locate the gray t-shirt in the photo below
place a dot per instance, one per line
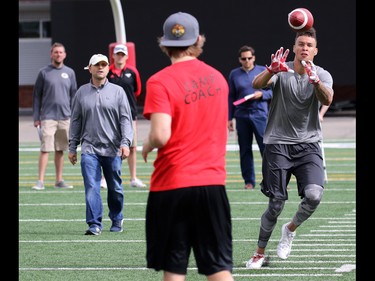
(54, 90)
(294, 109)
(101, 120)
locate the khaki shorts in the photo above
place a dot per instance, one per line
(135, 139)
(55, 135)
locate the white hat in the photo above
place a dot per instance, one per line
(120, 48)
(97, 58)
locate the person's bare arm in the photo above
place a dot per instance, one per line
(322, 112)
(324, 94)
(159, 135)
(262, 80)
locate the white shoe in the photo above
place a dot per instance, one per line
(137, 183)
(256, 261)
(38, 186)
(285, 244)
(103, 183)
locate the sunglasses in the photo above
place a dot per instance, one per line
(249, 58)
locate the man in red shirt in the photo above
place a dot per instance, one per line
(187, 208)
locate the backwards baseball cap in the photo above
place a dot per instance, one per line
(180, 30)
(120, 48)
(97, 58)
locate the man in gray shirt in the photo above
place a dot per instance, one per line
(102, 123)
(292, 139)
(54, 89)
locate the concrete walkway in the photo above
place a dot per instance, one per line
(335, 127)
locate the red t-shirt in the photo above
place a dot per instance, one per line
(196, 96)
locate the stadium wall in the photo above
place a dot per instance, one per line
(86, 27)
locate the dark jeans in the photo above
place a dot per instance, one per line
(253, 125)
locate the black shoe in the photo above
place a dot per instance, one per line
(93, 230)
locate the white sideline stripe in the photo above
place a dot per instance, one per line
(140, 219)
(347, 220)
(286, 275)
(338, 226)
(332, 230)
(75, 220)
(230, 147)
(190, 268)
(329, 235)
(235, 241)
(346, 268)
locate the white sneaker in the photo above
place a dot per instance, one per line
(137, 183)
(39, 185)
(285, 244)
(103, 183)
(256, 261)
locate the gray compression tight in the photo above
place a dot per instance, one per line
(308, 205)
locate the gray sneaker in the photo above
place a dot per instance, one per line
(63, 184)
(39, 185)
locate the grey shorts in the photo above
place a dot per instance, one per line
(281, 161)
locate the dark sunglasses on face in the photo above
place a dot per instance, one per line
(249, 58)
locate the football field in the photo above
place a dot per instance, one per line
(52, 244)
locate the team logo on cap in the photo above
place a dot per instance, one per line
(178, 30)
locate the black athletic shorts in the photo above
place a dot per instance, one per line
(281, 161)
(188, 218)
